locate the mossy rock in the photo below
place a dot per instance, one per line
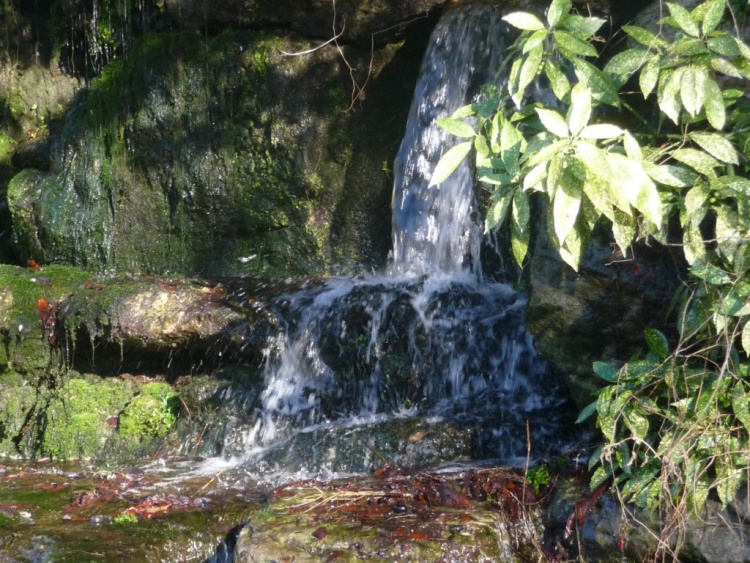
(151, 414)
(79, 417)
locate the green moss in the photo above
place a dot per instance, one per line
(17, 402)
(76, 417)
(151, 414)
(6, 148)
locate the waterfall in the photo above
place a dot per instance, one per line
(439, 228)
(359, 361)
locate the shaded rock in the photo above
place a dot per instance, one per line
(356, 20)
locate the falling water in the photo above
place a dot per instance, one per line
(438, 229)
(358, 359)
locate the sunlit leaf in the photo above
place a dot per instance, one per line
(582, 27)
(498, 211)
(657, 343)
(692, 244)
(716, 145)
(644, 37)
(632, 148)
(602, 89)
(741, 398)
(529, 70)
(714, 104)
(710, 273)
(536, 39)
(569, 44)
(636, 423)
(580, 108)
(601, 131)
(682, 18)
(557, 10)
(713, 13)
(623, 229)
(558, 80)
(649, 76)
(627, 62)
(463, 111)
(519, 243)
(669, 93)
(698, 160)
(553, 122)
(640, 191)
(724, 45)
(524, 20)
(456, 127)
(449, 162)
(669, 175)
(693, 88)
(535, 176)
(567, 202)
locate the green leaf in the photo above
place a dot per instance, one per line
(529, 70)
(668, 175)
(692, 244)
(582, 27)
(724, 45)
(632, 148)
(729, 480)
(712, 16)
(586, 412)
(558, 80)
(637, 423)
(693, 88)
(640, 191)
(669, 93)
(463, 111)
(449, 162)
(710, 273)
(558, 9)
(535, 176)
(682, 18)
(714, 103)
(498, 211)
(725, 67)
(456, 127)
(698, 160)
(601, 131)
(627, 62)
(521, 210)
(601, 474)
(657, 343)
(649, 76)
(546, 153)
(536, 39)
(602, 89)
(570, 45)
(524, 20)
(741, 402)
(553, 122)
(624, 229)
(519, 243)
(695, 203)
(567, 202)
(580, 108)
(644, 37)
(716, 145)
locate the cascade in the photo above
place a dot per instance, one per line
(428, 341)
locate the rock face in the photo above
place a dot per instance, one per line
(257, 152)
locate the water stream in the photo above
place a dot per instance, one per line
(364, 365)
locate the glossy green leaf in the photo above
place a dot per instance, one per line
(524, 20)
(632, 148)
(602, 89)
(521, 210)
(529, 70)
(623, 228)
(657, 343)
(557, 10)
(682, 18)
(582, 27)
(627, 62)
(580, 108)
(586, 412)
(712, 15)
(649, 76)
(724, 45)
(535, 176)
(741, 402)
(536, 39)
(456, 127)
(692, 244)
(669, 93)
(640, 191)
(498, 210)
(716, 145)
(601, 131)
(669, 175)
(569, 45)
(553, 122)
(566, 204)
(449, 162)
(710, 273)
(558, 80)
(714, 103)
(644, 37)
(729, 480)
(695, 204)
(725, 67)
(636, 423)
(463, 111)
(519, 243)
(693, 88)
(698, 160)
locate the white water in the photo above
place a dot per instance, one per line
(428, 343)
